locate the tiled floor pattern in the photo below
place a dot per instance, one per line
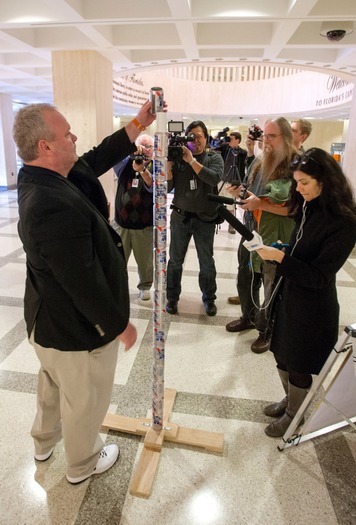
(221, 386)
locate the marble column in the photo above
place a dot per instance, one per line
(8, 168)
(83, 92)
(349, 164)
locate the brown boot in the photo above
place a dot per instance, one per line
(239, 325)
(261, 344)
(279, 426)
(278, 409)
(234, 300)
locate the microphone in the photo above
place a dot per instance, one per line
(219, 199)
(253, 239)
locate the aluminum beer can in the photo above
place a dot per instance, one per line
(157, 99)
(160, 215)
(160, 145)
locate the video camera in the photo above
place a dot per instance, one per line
(176, 141)
(220, 139)
(255, 132)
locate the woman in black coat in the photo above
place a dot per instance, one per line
(306, 311)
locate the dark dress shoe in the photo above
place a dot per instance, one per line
(239, 325)
(234, 300)
(261, 344)
(172, 307)
(210, 309)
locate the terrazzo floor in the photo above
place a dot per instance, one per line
(221, 387)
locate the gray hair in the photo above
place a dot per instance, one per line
(29, 128)
(287, 136)
(144, 138)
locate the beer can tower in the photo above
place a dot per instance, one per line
(160, 256)
(157, 430)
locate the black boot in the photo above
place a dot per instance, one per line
(296, 396)
(278, 409)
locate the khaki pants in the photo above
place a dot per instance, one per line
(73, 395)
(140, 242)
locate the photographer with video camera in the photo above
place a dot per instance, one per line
(265, 211)
(192, 177)
(234, 163)
(134, 210)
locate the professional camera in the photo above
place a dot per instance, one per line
(176, 141)
(220, 139)
(255, 132)
(243, 190)
(139, 159)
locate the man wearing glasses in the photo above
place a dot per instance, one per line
(134, 210)
(266, 211)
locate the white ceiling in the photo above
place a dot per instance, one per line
(140, 34)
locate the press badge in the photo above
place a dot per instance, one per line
(193, 184)
(135, 183)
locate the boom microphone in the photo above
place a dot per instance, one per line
(253, 239)
(219, 199)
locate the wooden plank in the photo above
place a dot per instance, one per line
(145, 472)
(154, 439)
(212, 441)
(126, 424)
(169, 398)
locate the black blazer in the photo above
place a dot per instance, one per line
(307, 321)
(77, 287)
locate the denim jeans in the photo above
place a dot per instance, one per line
(248, 287)
(203, 234)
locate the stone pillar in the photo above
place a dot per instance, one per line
(349, 165)
(83, 92)
(8, 168)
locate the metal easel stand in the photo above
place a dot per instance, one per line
(344, 350)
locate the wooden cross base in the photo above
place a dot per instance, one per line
(144, 474)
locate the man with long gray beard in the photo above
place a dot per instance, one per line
(266, 211)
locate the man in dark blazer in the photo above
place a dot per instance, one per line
(76, 297)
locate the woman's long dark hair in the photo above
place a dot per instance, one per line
(336, 192)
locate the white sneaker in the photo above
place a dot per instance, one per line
(107, 458)
(44, 457)
(145, 295)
